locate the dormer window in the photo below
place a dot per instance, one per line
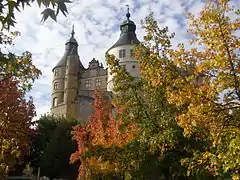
(56, 72)
(122, 53)
(56, 85)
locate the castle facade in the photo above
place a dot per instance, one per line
(73, 84)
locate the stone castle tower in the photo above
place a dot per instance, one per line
(123, 49)
(73, 84)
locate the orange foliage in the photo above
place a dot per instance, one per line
(101, 129)
(15, 120)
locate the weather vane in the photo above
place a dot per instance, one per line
(128, 14)
(127, 8)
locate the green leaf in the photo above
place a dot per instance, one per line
(48, 12)
(39, 2)
(62, 6)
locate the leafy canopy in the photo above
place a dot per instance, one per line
(204, 84)
(100, 141)
(15, 125)
(52, 146)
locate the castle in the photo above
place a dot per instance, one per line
(73, 84)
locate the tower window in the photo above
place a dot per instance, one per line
(88, 83)
(123, 66)
(98, 82)
(55, 101)
(122, 53)
(56, 72)
(131, 53)
(133, 66)
(56, 85)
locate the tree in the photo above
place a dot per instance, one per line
(101, 141)
(203, 83)
(15, 125)
(159, 142)
(19, 68)
(17, 73)
(52, 146)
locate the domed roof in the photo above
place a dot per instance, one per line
(128, 21)
(128, 35)
(126, 38)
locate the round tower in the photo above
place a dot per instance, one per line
(65, 80)
(123, 50)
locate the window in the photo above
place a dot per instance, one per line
(122, 53)
(123, 66)
(56, 72)
(88, 83)
(133, 66)
(131, 53)
(56, 85)
(55, 102)
(98, 82)
(124, 29)
(97, 71)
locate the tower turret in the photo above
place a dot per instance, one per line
(65, 80)
(123, 49)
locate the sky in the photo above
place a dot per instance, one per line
(96, 25)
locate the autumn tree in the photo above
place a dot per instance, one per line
(16, 115)
(159, 141)
(101, 141)
(204, 84)
(17, 73)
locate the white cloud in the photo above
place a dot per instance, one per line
(96, 29)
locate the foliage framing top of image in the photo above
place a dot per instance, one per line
(51, 9)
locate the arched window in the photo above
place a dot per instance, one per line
(56, 85)
(55, 101)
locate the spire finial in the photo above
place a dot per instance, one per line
(128, 14)
(72, 31)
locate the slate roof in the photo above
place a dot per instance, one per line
(70, 49)
(128, 35)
